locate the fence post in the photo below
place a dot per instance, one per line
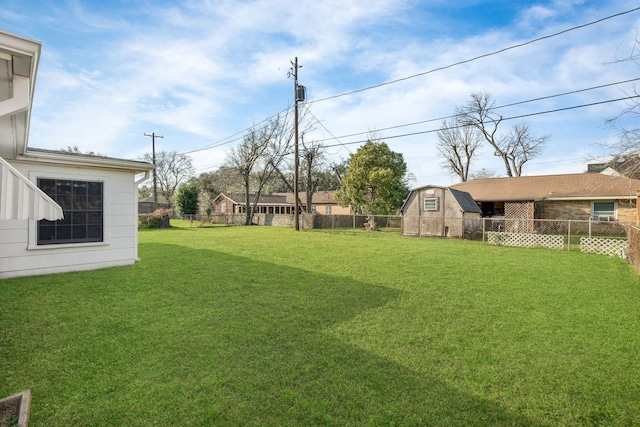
(483, 229)
(569, 236)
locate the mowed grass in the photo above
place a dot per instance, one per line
(265, 326)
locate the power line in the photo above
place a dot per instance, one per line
(227, 140)
(475, 58)
(504, 119)
(493, 108)
(325, 128)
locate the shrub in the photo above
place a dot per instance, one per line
(158, 219)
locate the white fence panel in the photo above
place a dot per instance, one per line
(604, 246)
(523, 240)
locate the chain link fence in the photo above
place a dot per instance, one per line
(557, 234)
(603, 237)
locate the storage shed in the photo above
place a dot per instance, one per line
(440, 212)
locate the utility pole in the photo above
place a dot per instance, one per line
(298, 95)
(155, 188)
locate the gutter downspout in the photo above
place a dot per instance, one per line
(137, 183)
(143, 179)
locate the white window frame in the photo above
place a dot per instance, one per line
(433, 204)
(601, 215)
(106, 210)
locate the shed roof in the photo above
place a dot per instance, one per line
(466, 202)
(567, 186)
(463, 198)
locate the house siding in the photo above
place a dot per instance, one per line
(20, 256)
(335, 209)
(581, 210)
(627, 213)
(223, 205)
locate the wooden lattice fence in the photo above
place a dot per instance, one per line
(602, 246)
(525, 240)
(520, 215)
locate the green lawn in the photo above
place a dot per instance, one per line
(268, 326)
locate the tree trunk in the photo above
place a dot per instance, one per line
(247, 203)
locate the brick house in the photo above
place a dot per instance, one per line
(279, 203)
(583, 196)
(235, 204)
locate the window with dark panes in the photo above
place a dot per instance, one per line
(82, 205)
(603, 211)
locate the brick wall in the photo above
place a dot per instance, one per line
(565, 209)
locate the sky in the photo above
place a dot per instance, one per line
(201, 72)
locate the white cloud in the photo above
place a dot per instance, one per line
(199, 71)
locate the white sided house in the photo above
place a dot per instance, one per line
(59, 211)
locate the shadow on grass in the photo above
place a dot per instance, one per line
(205, 338)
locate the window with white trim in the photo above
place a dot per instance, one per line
(82, 203)
(327, 209)
(603, 211)
(431, 204)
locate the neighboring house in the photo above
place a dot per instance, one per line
(583, 196)
(323, 202)
(439, 211)
(95, 195)
(235, 204)
(629, 167)
(279, 203)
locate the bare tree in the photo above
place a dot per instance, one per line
(478, 113)
(521, 145)
(255, 159)
(172, 170)
(211, 184)
(624, 154)
(457, 145)
(313, 155)
(340, 170)
(516, 148)
(483, 173)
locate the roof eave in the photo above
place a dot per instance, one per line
(634, 197)
(25, 57)
(65, 159)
